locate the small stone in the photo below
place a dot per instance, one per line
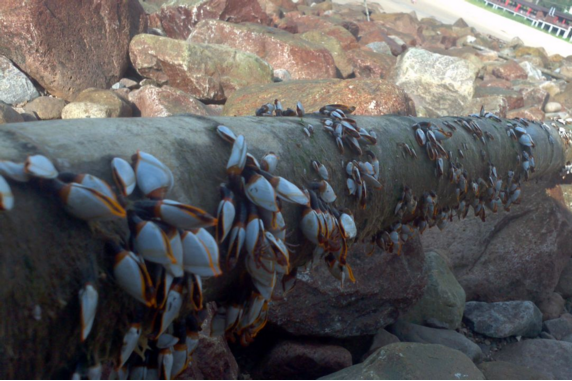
(558, 328)
(379, 47)
(77, 110)
(552, 107)
(129, 83)
(487, 342)
(381, 339)
(282, 75)
(117, 86)
(116, 107)
(552, 306)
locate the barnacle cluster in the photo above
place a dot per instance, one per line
(172, 247)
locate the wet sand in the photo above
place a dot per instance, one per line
(449, 11)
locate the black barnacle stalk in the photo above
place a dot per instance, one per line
(47, 254)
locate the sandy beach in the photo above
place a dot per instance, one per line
(448, 11)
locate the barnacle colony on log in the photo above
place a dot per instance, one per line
(172, 247)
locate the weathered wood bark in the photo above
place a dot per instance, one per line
(45, 254)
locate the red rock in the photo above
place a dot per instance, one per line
(302, 360)
(371, 32)
(402, 23)
(73, 46)
(207, 72)
(532, 113)
(305, 23)
(179, 18)
(282, 50)
(512, 256)
(370, 64)
(370, 96)
(151, 102)
(510, 70)
(385, 286)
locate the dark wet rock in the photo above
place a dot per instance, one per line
(504, 319)
(508, 257)
(70, 48)
(549, 357)
(213, 359)
(439, 83)
(46, 108)
(502, 370)
(302, 360)
(558, 328)
(385, 285)
(408, 332)
(370, 96)
(179, 17)
(151, 102)
(381, 339)
(207, 72)
(552, 306)
(443, 301)
(15, 87)
(411, 361)
(282, 50)
(564, 286)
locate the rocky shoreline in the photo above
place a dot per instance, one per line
(476, 301)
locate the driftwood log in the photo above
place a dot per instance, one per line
(46, 254)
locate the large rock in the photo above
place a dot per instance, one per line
(68, 47)
(371, 64)
(282, 50)
(443, 301)
(330, 43)
(564, 286)
(179, 17)
(151, 102)
(46, 108)
(381, 339)
(439, 83)
(412, 361)
(501, 370)
(370, 96)
(207, 72)
(15, 87)
(117, 107)
(425, 335)
(549, 357)
(302, 360)
(385, 285)
(9, 115)
(512, 256)
(504, 319)
(510, 70)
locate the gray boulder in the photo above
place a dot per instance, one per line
(381, 339)
(443, 302)
(418, 334)
(9, 115)
(558, 328)
(550, 357)
(504, 319)
(15, 87)
(441, 83)
(411, 361)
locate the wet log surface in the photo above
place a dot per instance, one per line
(47, 255)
